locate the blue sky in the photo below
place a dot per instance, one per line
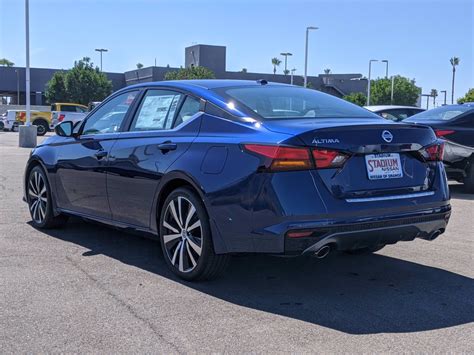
(417, 37)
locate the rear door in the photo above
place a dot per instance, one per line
(82, 160)
(162, 129)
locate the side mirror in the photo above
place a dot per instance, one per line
(64, 129)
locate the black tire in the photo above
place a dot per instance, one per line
(186, 238)
(41, 127)
(39, 201)
(469, 179)
(362, 251)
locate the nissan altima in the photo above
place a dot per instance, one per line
(213, 168)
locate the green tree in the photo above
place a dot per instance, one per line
(357, 98)
(434, 94)
(469, 97)
(454, 63)
(82, 84)
(405, 91)
(244, 70)
(4, 62)
(275, 62)
(139, 65)
(193, 72)
(56, 88)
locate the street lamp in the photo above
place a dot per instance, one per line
(286, 60)
(368, 84)
(292, 73)
(386, 67)
(101, 50)
(306, 54)
(444, 92)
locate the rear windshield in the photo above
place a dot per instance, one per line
(286, 102)
(443, 113)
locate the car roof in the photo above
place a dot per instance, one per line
(206, 83)
(375, 108)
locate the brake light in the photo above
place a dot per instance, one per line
(325, 158)
(61, 117)
(282, 158)
(433, 152)
(440, 133)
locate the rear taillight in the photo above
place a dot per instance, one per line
(281, 158)
(325, 158)
(441, 133)
(433, 152)
(61, 117)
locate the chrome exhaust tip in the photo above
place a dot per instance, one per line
(322, 252)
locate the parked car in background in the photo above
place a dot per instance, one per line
(61, 112)
(454, 124)
(217, 167)
(3, 121)
(394, 112)
(41, 119)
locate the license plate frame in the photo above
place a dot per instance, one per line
(383, 166)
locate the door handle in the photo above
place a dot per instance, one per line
(167, 146)
(100, 154)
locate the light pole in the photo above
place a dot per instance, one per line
(444, 92)
(368, 83)
(286, 54)
(391, 90)
(292, 73)
(27, 132)
(386, 67)
(306, 54)
(101, 50)
(17, 86)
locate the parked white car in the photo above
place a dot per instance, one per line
(394, 112)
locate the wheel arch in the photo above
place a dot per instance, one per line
(36, 161)
(169, 183)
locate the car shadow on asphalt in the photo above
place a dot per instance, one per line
(458, 191)
(352, 294)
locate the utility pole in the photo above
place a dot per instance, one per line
(386, 68)
(101, 50)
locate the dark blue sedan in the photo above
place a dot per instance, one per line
(217, 167)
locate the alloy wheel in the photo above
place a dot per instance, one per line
(183, 234)
(38, 197)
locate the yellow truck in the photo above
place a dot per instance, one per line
(46, 121)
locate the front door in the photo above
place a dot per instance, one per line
(82, 161)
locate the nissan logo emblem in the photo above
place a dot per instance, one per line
(387, 136)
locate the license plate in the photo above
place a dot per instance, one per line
(383, 166)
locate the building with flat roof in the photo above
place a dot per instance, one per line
(12, 79)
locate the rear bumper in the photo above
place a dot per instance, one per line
(367, 232)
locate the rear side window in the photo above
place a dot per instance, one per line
(288, 102)
(156, 111)
(189, 108)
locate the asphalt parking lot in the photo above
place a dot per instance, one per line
(86, 288)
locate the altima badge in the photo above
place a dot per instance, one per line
(387, 136)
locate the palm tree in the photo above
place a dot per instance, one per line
(454, 62)
(433, 94)
(139, 65)
(327, 71)
(4, 62)
(275, 62)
